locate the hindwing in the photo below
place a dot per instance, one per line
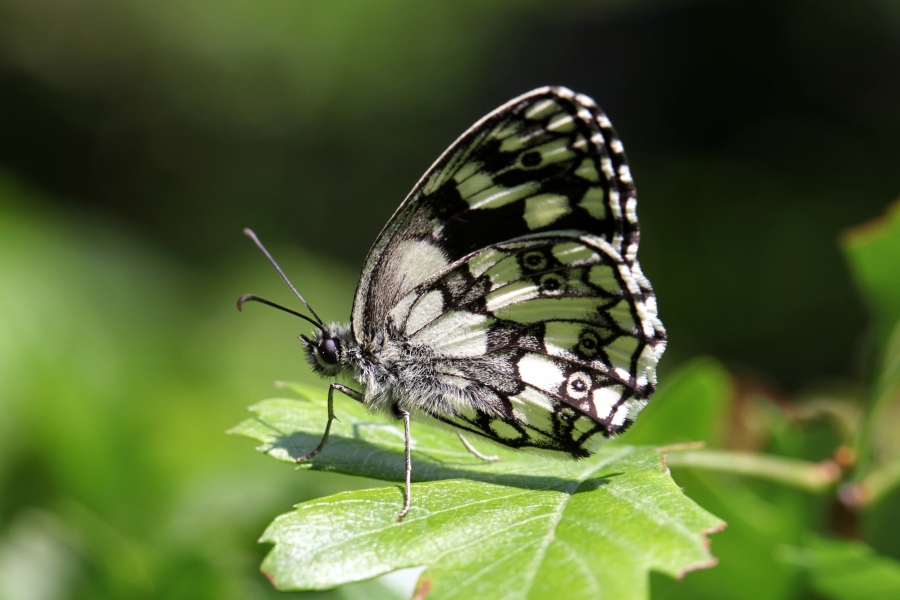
(548, 341)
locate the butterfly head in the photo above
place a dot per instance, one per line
(327, 350)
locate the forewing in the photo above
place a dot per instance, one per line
(548, 160)
(549, 341)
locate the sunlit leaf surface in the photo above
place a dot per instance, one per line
(523, 527)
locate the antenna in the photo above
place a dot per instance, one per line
(252, 298)
(249, 233)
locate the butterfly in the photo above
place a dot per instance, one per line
(504, 296)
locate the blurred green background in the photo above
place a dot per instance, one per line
(137, 139)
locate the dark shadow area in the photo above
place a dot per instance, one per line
(389, 465)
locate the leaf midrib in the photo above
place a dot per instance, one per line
(561, 509)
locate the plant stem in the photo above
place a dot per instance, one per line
(805, 475)
(886, 391)
(873, 487)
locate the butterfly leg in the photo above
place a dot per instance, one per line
(472, 449)
(341, 388)
(406, 495)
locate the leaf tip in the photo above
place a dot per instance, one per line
(859, 234)
(270, 577)
(705, 564)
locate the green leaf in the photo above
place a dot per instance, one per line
(526, 526)
(873, 251)
(847, 570)
(691, 406)
(694, 403)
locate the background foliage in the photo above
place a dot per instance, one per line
(137, 139)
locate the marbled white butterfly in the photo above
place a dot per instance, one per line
(504, 296)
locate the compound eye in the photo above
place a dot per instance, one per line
(328, 351)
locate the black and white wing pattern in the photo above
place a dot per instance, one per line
(505, 291)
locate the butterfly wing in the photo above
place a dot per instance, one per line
(547, 341)
(548, 160)
(506, 287)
